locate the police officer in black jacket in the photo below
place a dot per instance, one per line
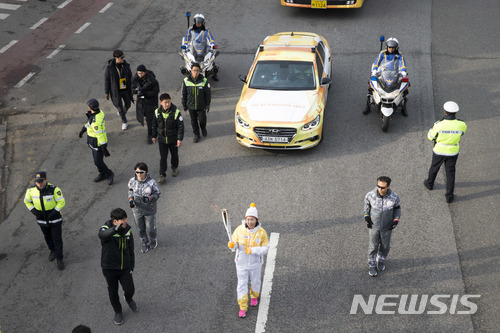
(196, 98)
(147, 88)
(168, 130)
(118, 260)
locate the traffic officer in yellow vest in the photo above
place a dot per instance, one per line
(45, 201)
(196, 97)
(446, 134)
(97, 140)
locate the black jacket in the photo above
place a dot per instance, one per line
(112, 80)
(168, 125)
(196, 97)
(148, 87)
(117, 247)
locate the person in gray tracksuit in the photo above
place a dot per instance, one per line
(382, 211)
(143, 193)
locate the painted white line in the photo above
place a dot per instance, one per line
(64, 4)
(267, 284)
(23, 81)
(82, 28)
(6, 47)
(9, 6)
(39, 23)
(56, 51)
(105, 7)
(3, 16)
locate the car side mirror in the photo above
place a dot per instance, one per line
(325, 81)
(243, 78)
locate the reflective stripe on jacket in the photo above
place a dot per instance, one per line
(256, 239)
(45, 200)
(446, 134)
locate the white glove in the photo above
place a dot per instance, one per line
(404, 74)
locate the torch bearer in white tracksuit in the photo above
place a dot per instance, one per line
(251, 244)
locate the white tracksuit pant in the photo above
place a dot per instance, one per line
(242, 289)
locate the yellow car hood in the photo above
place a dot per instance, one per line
(278, 106)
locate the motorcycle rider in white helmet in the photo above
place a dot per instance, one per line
(391, 53)
(202, 35)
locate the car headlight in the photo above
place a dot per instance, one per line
(312, 124)
(241, 122)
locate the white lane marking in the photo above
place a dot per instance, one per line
(106, 7)
(265, 295)
(39, 23)
(64, 4)
(56, 51)
(23, 81)
(3, 16)
(6, 47)
(9, 6)
(82, 28)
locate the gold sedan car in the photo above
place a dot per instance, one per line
(283, 101)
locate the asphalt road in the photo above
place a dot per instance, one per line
(312, 198)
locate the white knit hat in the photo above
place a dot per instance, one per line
(252, 211)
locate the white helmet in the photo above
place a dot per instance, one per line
(199, 18)
(450, 107)
(392, 42)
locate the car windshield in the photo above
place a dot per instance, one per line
(283, 75)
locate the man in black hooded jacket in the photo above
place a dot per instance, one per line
(118, 260)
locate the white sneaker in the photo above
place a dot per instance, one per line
(124, 126)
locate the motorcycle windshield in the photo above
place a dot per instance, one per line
(389, 77)
(283, 75)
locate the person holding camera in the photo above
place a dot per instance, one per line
(143, 193)
(97, 140)
(147, 88)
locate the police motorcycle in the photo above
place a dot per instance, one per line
(388, 87)
(197, 51)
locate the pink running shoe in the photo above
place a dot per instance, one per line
(243, 313)
(254, 301)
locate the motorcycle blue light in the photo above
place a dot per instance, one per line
(373, 78)
(382, 38)
(183, 47)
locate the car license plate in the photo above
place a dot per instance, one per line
(274, 139)
(318, 4)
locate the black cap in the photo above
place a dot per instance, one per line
(93, 104)
(40, 175)
(141, 68)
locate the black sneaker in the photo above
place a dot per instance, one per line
(366, 110)
(153, 244)
(52, 256)
(111, 177)
(144, 247)
(204, 131)
(196, 138)
(99, 178)
(373, 271)
(60, 264)
(215, 77)
(132, 305)
(118, 319)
